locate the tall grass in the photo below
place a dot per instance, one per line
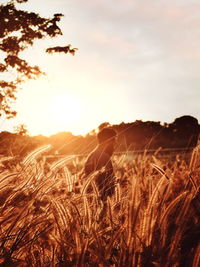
(48, 217)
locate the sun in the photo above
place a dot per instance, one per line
(58, 113)
(65, 111)
(54, 111)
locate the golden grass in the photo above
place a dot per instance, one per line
(48, 217)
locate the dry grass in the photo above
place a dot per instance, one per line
(47, 218)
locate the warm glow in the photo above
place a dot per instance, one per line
(55, 113)
(64, 113)
(117, 75)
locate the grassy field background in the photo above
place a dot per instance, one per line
(47, 218)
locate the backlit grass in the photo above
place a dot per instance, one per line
(47, 218)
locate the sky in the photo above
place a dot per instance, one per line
(136, 60)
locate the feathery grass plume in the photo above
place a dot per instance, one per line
(96, 199)
(88, 181)
(160, 170)
(118, 193)
(37, 187)
(77, 240)
(39, 175)
(131, 209)
(13, 225)
(195, 157)
(119, 159)
(80, 219)
(185, 206)
(8, 162)
(158, 190)
(165, 196)
(57, 217)
(59, 212)
(18, 199)
(156, 161)
(28, 181)
(152, 212)
(110, 212)
(47, 186)
(87, 214)
(35, 154)
(8, 176)
(82, 258)
(94, 186)
(193, 183)
(180, 222)
(137, 216)
(167, 211)
(70, 182)
(133, 220)
(67, 177)
(157, 151)
(60, 163)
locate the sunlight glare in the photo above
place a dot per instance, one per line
(65, 113)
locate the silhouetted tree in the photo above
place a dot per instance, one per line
(183, 132)
(18, 31)
(21, 129)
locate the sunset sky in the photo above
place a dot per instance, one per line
(137, 59)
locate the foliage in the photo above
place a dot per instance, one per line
(59, 49)
(19, 30)
(21, 130)
(183, 132)
(47, 219)
(133, 136)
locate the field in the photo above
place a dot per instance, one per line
(47, 218)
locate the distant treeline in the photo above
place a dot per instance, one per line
(182, 133)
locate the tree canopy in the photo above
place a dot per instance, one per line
(19, 30)
(133, 136)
